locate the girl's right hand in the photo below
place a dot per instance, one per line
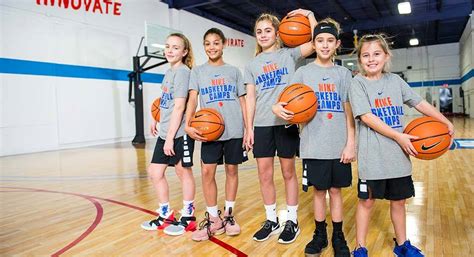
(404, 140)
(249, 140)
(279, 110)
(153, 129)
(194, 134)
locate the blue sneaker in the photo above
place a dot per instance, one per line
(360, 252)
(406, 250)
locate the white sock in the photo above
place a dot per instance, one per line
(271, 213)
(212, 211)
(292, 213)
(164, 210)
(229, 204)
(188, 208)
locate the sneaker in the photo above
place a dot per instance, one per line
(231, 226)
(158, 223)
(290, 233)
(360, 252)
(316, 246)
(406, 250)
(208, 227)
(268, 228)
(183, 225)
(339, 244)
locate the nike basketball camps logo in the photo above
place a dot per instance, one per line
(387, 112)
(218, 90)
(272, 76)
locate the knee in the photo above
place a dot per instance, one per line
(265, 176)
(289, 174)
(398, 204)
(207, 174)
(320, 194)
(367, 204)
(334, 192)
(154, 174)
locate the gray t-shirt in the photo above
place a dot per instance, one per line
(378, 156)
(175, 85)
(270, 73)
(325, 136)
(220, 87)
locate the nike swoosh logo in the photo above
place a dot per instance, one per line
(425, 148)
(324, 79)
(379, 93)
(325, 27)
(217, 75)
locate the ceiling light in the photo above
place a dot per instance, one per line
(404, 8)
(350, 64)
(414, 42)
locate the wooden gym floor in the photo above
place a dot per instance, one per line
(91, 201)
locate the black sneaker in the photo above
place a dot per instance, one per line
(316, 246)
(268, 228)
(339, 244)
(290, 232)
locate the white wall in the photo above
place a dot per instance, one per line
(466, 66)
(429, 63)
(39, 113)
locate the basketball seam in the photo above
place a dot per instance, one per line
(289, 101)
(286, 21)
(308, 107)
(416, 140)
(295, 34)
(424, 122)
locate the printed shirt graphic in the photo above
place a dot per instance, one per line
(270, 73)
(380, 157)
(325, 136)
(220, 87)
(174, 85)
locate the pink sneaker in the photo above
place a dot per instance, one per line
(208, 227)
(231, 226)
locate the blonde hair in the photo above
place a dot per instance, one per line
(188, 59)
(382, 39)
(275, 24)
(336, 24)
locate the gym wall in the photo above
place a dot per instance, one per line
(63, 71)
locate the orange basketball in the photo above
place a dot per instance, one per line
(155, 109)
(434, 139)
(302, 101)
(209, 122)
(295, 30)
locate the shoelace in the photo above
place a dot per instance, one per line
(288, 227)
(206, 223)
(267, 224)
(229, 219)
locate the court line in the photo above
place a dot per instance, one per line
(97, 220)
(93, 198)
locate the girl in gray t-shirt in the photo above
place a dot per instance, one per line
(377, 98)
(265, 77)
(219, 86)
(173, 147)
(327, 142)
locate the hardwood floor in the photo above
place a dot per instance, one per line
(91, 202)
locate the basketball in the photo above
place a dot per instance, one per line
(295, 30)
(155, 109)
(434, 139)
(302, 101)
(209, 122)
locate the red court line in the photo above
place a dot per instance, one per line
(91, 198)
(98, 217)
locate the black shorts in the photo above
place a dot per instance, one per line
(324, 174)
(230, 151)
(284, 140)
(183, 149)
(390, 189)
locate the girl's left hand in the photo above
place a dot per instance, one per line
(300, 11)
(348, 154)
(168, 147)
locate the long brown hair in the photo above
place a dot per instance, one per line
(275, 24)
(188, 59)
